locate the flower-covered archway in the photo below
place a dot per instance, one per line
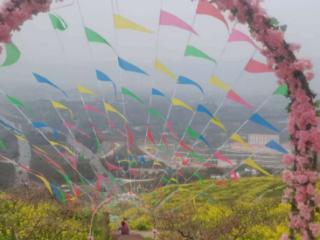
(301, 175)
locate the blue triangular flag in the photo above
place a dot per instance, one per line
(56, 192)
(39, 125)
(203, 109)
(42, 79)
(101, 76)
(276, 146)
(204, 140)
(142, 159)
(129, 66)
(256, 118)
(156, 92)
(186, 81)
(7, 125)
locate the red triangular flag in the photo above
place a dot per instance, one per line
(164, 140)
(185, 146)
(233, 96)
(99, 182)
(254, 66)
(150, 136)
(98, 132)
(111, 123)
(76, 190)
(205, 8)
(130, 136)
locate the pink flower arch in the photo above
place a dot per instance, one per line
(301, 175)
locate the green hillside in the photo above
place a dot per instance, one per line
(250, 208)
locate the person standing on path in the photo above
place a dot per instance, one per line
(124, 228)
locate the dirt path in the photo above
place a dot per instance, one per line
(132, 236)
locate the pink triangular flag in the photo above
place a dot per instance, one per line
(233, 96)
(253, 66)
(234, 175)
(237, 36)
(218, 155)
(112, 167)
(68, 125)
(171, 130)
(185, 161)
(133, 171)
(91, 108)
(205, 8)
(168, 19)
(209, 165)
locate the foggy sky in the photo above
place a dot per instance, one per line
(67, 59)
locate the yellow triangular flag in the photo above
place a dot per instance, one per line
(20, 138)
(180, 103)
(124, 161)
(162, 68)
(59, 105)
(56, 144)
(84, 90)
(109, 108)
(39, 149)
(174, 180)
(124, 23)
(218, 123)
(237, 138)
(251, 163)
(45, 182)
(219, 84)
(157, 163)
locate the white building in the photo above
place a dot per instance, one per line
(262, 139)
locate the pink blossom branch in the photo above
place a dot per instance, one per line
(13, 13)
(301, 176)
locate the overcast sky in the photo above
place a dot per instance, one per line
(67, 59)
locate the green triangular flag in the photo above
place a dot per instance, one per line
(18, 103)
(197, 175)
(98, 145)
(63, 197)
(127, 92)
(282, 90)
(12, 55)
(132, 163)
(15, 101)
(92, 36)
(165, 180)
(155, 113)
(195, 52)
(57, 22)
(2, 145)
(197, 156)
(192, 133)
(68, 180)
